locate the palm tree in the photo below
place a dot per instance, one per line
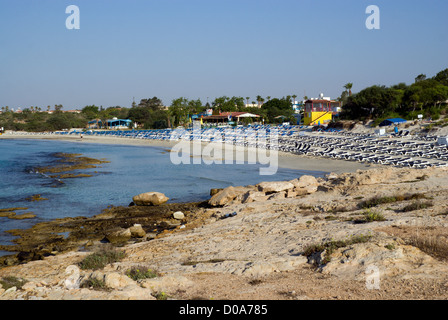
(349, 86)
(247, 100)
(268, 97)
(259, 100)
(294, 98)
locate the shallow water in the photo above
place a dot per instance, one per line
(132, 170)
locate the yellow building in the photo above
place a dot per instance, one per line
(319, 111)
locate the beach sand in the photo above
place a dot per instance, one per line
(285, 160)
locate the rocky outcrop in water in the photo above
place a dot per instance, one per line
(150, 199)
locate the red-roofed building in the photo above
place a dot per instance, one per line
(320, 111)
(228, 117)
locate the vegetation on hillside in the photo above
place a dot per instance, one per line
(426, 96)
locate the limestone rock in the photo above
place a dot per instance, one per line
(227, 195)
(222, 197)
(275, 186)
(305, 185)
(291, 194)
(179, 215)
(116, 280)
(150, 199)
(133, 292)
(214, 191)
(137, 231)
(332, 176)
(119, 235)
(278, 196)
(259, 269)
(168, 283)
(254, 196)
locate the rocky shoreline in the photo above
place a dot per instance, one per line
(373, 234)
(77, 233)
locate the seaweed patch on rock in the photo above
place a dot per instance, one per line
(132, 224)
(66, 163)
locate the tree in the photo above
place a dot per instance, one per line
(259, 101)
(420, 77)
(153, 103)
(58, 108)
(139, 114)
(90, 112)
(294, 98)
(434, 96)
(179, 111)
(411, 97)
(278, 107)
(348, 86)
(343, 98)
(226, 104)
(442, 77)
(195, 106)
(374, 101)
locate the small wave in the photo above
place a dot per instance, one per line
(34, 171)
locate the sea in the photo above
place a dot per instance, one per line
(131, 170)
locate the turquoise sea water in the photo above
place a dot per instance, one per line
(132, 170)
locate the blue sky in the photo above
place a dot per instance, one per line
(210, 48)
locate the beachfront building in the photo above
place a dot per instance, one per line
(229, 118)
(251, 105)
(117, 124)
(320, 111)
(95, 124)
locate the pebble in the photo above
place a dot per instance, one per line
(179, 215)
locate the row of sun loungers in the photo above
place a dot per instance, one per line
(402, 150)
(376, 150)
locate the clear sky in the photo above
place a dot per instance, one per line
(136, 49)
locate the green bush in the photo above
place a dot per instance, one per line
(417, 205)
(371, 216)
(11, 281)
(95, 284)
(99, 260)
(140, 273)
(330, 246)
(375, 201)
